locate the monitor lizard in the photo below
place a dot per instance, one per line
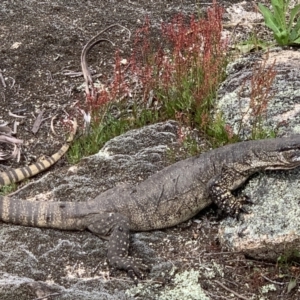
(17, 175)
(168, 197)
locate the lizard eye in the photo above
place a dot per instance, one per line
(293, 146)
(292, 155)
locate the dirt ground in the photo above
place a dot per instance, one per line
(41, 43)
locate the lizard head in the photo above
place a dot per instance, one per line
(285, 154)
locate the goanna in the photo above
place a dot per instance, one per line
(169, 197)
(17, 175)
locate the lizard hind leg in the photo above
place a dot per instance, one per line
(117, 226)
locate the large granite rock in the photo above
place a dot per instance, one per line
(283, 105)
(272, 230)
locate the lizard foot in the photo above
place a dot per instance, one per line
(130, 265)
(227, 202)
(238, 206)
(220, 190)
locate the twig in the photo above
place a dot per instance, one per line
(272, 281)
(15, 116)
(16, 124)
(3, 96)
(49, 75)
(214, 296)
(71, 73)
(13, 82)
(46, 296)
(37, 122)
(10, 139)
(15, 153)
(2, 79)
(22, 188)
(233, 35)
(85, 70)
(90, 44)
(52, 125)
(230, 290)
(221, 253)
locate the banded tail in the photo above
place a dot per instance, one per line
(20, 174)
(59, 215)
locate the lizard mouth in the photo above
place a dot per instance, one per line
(286, 160)
(286, 165)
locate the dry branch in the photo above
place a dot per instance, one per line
(86, 49)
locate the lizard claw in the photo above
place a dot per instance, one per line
(135, 274)
(131, 266)
(239, 207)
(242, 211)
(246, 200)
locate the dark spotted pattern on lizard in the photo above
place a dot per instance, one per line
(17, 175)
(169, 197)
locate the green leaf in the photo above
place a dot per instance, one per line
(284, 31)
(292, 284)
(294, 12)
(293, 35)
(279, 13)
(278, 3)
(297, 41)
(270, 21)
(295, 32)
(246, 48)
(282, 37)
(297, 26)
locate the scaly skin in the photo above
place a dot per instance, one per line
(169, 197)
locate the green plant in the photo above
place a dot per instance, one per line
(103, 130)
(288, 267)
(259, 89)
(188, 146)
(176, 79)
(285, 32)
(7, 189)
(252, 44)
(285, 258)
(221, 133)
(185, 72)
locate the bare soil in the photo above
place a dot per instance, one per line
(40, 42)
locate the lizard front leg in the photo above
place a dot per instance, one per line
(220, 190)
(117, 227)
